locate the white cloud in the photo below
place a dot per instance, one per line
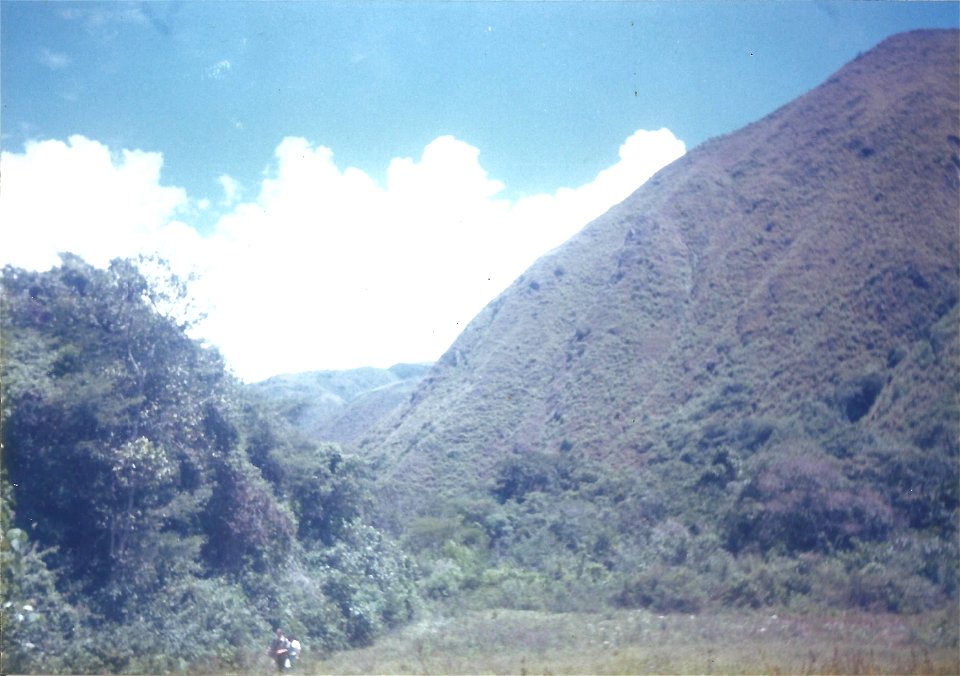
(54, 60)
(218, 71)
(325, 267)
(78, 196)
(231, 189)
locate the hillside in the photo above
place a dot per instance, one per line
(755, 278)
(340, 406)
(769, 323)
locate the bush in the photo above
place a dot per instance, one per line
(664, 589)
(369, 579)
(799, 501)
(776, 581)
(522, 474)
(201, 625)
(922, 485)
(876, 588)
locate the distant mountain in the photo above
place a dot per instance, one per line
(340, 406)
(788, 290)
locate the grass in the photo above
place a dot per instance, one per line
(640, 642)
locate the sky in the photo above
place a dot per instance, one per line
(353, 182)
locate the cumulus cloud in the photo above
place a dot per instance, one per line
(325, 267)
(231, 189)
(77, 196)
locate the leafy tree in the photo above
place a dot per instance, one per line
(182, 517)
(107, 410)
(247, 527)
(39, 625)
(330, 493)
(371, 581)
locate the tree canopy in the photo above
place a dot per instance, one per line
(143, 480)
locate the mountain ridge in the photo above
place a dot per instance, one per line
(683, 305)
(339, 406)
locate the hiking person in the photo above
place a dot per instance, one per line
(280, 650)
(294, 650)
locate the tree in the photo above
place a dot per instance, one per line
(800, 500)
(111, 413)
(38, 623)
(150, 484)
(247, 526)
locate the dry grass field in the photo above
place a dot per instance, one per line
(639, 642)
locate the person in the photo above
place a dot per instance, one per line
(280, 650)
(294, 649)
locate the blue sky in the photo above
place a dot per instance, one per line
(217, 120)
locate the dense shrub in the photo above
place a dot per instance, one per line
(369, 579)
(524, 473)
(773, 581)
(922, 485)
(877, 588)
(801, 501)
(665, 589)
(39, 626)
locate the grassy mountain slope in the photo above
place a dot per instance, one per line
(792, 286)
(340, 406)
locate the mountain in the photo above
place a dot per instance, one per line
(788, 291)
(340, 406)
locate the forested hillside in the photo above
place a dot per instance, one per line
(739, 386)
(154, 518)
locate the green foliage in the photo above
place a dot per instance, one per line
(921, 484)
(189, 625)
(452, 553)
(329, 492)
(789, 526)
(110, 423)
(664, 589)
(245, 524)
(772, 581)
(38, 624)
(525, 473)
(371, 581)
(801, 500)
(172, 522)
(167, 521)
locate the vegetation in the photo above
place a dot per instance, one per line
(562, 534)
(340, 406)
(717, 431)
(154, 516)
(737, 389)
(641, 642)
